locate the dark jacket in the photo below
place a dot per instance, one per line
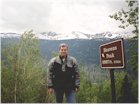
(63, 74)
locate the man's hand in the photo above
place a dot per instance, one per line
(76, 89)
(50, 90)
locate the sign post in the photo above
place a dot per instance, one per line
(111, 57)
(113, 92)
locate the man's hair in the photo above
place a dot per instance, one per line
(63, 45)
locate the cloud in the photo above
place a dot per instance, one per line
(21, 15)
(63, 16)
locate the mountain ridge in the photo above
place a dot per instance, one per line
(73, 35)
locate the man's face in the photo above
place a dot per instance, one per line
(63, 51)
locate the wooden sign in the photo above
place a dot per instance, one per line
(112, 54)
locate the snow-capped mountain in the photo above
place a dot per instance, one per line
(73, 35)
(10, 35)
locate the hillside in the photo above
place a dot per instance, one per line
(86, 51)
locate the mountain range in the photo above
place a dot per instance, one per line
(84, 47)
(72, 35)
(86, 51)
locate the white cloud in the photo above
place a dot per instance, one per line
(63, 16)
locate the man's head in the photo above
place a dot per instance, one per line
(63, 50)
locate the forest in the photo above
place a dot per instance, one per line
(24, 71)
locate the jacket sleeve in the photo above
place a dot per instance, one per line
(50, 74)
(77, 74)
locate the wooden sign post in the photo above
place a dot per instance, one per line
(111, 57)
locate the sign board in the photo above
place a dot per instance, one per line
(112, 54)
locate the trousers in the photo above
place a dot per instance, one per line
(70, 96)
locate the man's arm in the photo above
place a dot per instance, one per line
(77, 75)
(50, 74)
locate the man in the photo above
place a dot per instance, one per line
(63, 75)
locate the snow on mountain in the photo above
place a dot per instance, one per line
(73, 35)
(9, 35)
(79, 35)
(111, 35)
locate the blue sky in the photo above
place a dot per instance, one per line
(61, 16)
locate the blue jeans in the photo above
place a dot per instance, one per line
(70, 96)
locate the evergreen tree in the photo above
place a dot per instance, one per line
(126, 91)
(130, 18)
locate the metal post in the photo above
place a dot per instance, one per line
(113, 86)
